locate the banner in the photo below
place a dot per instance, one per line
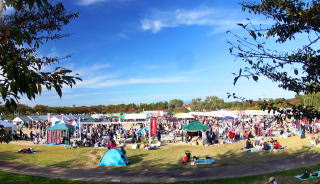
(153, 127)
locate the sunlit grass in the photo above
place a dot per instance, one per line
(166, 157)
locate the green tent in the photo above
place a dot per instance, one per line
(120, 115)
(195, 127)
(61, 127)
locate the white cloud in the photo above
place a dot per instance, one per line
(91, 70)
(90, 2)
(204, 16)
(105, 81)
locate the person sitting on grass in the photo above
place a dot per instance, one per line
(123, 150)
(112, 144)
(266, 146)
(256, 142)
(317, 140)
(248, 144)
(276, 145)
(271, 141)
(187, 157)
(246, 135)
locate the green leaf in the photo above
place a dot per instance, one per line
(239, 24)
(296, 71)
(235, 80)
(253, 34)
(58, 90)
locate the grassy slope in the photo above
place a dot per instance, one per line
(167, 157)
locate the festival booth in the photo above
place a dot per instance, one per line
(59, 133)
(8, 127)
(135, 116)
(193, 128)
(21, 120)
(183, 116)
(38, 118)
(154, 113)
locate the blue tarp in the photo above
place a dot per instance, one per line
(208, 160)
(114, 157)
(52, 144)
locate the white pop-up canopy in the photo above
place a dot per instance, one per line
(135, 116)
(6, 124)
(184, 116)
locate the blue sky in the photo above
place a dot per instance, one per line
(151, 50)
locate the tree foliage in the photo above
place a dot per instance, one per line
(22, 32)
(295, 70)
(197, 104)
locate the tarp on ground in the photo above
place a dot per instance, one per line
(195, 126)
(114, 157)
(61, 127)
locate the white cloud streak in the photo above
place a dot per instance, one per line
(103, 81)
(204, 16)
(91, 2)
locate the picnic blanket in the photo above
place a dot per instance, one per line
(310, 177)
(204, 161)
(52, 144)
(254, 150)
(27, 150)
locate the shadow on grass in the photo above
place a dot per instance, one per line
(232, 158)
(9, 156)
(136, 159)
(226, 159)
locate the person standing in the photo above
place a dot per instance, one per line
(31, 136)
(186, 136)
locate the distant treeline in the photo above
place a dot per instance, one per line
(209, 103)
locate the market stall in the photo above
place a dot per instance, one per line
(59, 133)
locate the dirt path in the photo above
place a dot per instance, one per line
(104, 174)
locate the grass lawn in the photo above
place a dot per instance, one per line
(285, 177)
(166, 157)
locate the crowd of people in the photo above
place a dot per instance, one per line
(221, 131)
(254, 129)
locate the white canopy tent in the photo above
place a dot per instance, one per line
(184, 116)
(257, 113)
(8, 126)
(21, 119)
(135, 116)
(5, 124)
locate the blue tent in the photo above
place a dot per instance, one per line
(114, 157)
